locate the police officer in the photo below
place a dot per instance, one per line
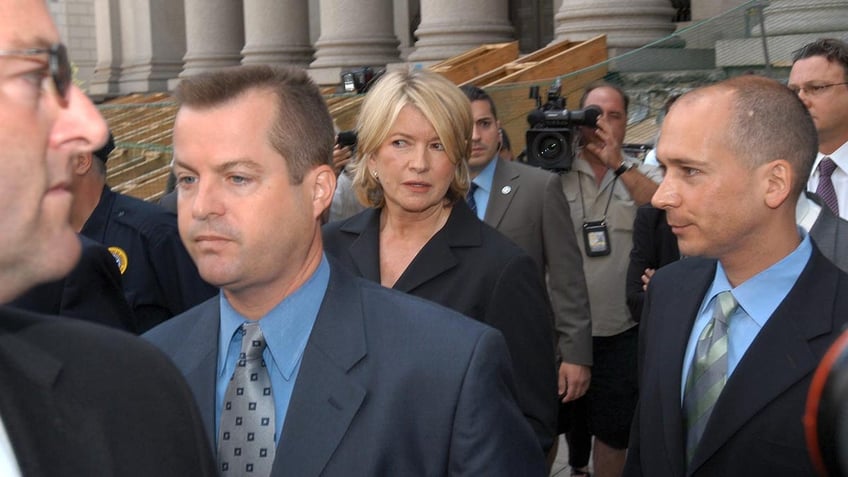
(92, 291)
(160, 280)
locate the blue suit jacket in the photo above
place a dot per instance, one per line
(755, 429)
(471, 268)
(389, 385)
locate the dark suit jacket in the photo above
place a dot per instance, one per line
(654, 245)
(528, 206)
(471, 268)
(830, 233)
(80, 399)
(389, 385)
(755, 428)
(92, 291)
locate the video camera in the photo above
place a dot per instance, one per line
(552, 136)
(346, 138)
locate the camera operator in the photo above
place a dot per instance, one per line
(604, 189)
(345, 203)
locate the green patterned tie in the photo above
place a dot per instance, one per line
(708, 372)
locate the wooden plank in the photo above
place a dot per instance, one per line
(472, 63)
(462, 67)
(527, 61)
(344, 113)
(567, 58)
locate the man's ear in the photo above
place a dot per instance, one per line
(779, 178)
(82, 163)
(323, 180)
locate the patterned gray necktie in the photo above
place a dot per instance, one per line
(246, 435)
(825, 188)
(708, 373)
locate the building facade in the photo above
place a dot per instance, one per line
(127, 46)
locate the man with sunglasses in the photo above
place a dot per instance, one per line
(75, 398)
(819, 76)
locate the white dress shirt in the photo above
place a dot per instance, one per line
(839, 177)
(8, 463)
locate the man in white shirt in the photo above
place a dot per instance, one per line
(819, 76)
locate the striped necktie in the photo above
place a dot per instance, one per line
(825, 188)
(708, 372)
(472, 204)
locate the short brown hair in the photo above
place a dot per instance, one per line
(303, 131)
(833, 50)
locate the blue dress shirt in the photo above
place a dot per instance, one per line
(286, 329)
(758, 297)
(484, 187)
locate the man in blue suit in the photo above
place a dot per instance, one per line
(363, 380)
(731, 335)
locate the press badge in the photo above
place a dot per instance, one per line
(596, 238)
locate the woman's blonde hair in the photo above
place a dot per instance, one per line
(440, 101)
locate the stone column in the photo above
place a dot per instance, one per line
(449, 27)
(214, 34)
(75, 21)
(628, 24)
(793, 17)
(353, 34)
(107, 70)
(152, 44)
(276, 32)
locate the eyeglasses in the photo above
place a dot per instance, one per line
(60, 66)
(814, 89)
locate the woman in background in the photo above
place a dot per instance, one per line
(419, 235)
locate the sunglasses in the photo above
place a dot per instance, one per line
(60, 66)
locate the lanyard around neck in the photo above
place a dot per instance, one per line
(583, 203)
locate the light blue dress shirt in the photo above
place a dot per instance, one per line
(484, 187)
(758, 297)
(286, 329)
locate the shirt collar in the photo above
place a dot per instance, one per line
(754, 295)
(286, 327)
(806, 212)
(486, 177)
(839, 156)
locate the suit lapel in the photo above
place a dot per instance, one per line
(680, 311)
(461, 230)
(325, 398)
(32, 374)
(782, 345)
(198, 360)
(504, 186)
(823, 231)
(365, 250)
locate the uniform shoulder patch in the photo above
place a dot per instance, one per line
(120, 257)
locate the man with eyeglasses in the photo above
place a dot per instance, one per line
(75, 398)
(819, 76)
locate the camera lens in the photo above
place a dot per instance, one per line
(550, 147)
